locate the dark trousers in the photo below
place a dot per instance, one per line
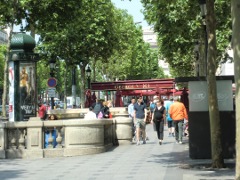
(159, 129)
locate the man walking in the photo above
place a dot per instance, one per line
(140, 118)
(178, 113)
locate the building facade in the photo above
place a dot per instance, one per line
(3, 37)
(150, 37)
(227, 68)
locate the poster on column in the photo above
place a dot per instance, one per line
(11, 91)
(27, 90)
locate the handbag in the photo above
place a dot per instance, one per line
(110, 115)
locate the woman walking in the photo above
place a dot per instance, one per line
(158, 117)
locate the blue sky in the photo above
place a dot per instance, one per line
(134, 8)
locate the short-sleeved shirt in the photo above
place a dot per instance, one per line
(139, 108)
(167, 105)
(42, 111)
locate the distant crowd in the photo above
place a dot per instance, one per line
(171, 112)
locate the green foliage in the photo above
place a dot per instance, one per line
(133, 58)
(2, 61)
(82, 32)
(11, 12)
(178, 24)
(88, 34)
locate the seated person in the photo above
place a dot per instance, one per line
(106, 109)
(90, 114)
(54, 132)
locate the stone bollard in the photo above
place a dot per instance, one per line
(123, 130)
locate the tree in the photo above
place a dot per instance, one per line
(132, 58)
(2, 62)
(236, 55)
(178, 25)
(12, 13)
(90, 35)
(215, 126)
(7, 19)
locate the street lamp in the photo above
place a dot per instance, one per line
(52, 63)
(196, 54)
(203, 8)
(88, 73)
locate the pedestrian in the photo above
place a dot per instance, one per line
(106, 109)
(159, 114)
(169, 120)
(140, 118)
(53, 132)
(131, 113)
(131, 108)
(97, 107)
(178, 113)
(42, 111)
(90, 114)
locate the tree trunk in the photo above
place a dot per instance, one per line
(65, 87)
(94, 70)
(74, 86)
(83, 97)
(215, 128)
(236, 55)
(32, 30)
(5, 83)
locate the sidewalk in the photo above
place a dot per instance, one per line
(151, 161)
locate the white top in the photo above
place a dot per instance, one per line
(90, 115)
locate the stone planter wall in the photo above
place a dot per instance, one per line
(74, 137)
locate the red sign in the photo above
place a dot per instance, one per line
(10, 108)
(149, 84)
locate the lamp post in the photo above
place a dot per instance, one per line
(196, 54)
(88, 73)
(203, 8)
(88, 91)
(52, 63)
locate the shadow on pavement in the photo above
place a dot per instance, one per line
(11, 174)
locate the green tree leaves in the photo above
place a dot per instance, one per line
(178, 24)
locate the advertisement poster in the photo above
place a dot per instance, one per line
(27, 90)
(11, 91)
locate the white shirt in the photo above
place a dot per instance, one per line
(90, 115)
(131, 109)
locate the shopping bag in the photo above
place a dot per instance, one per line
(100, 115)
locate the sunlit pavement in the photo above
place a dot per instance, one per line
(169, 161)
